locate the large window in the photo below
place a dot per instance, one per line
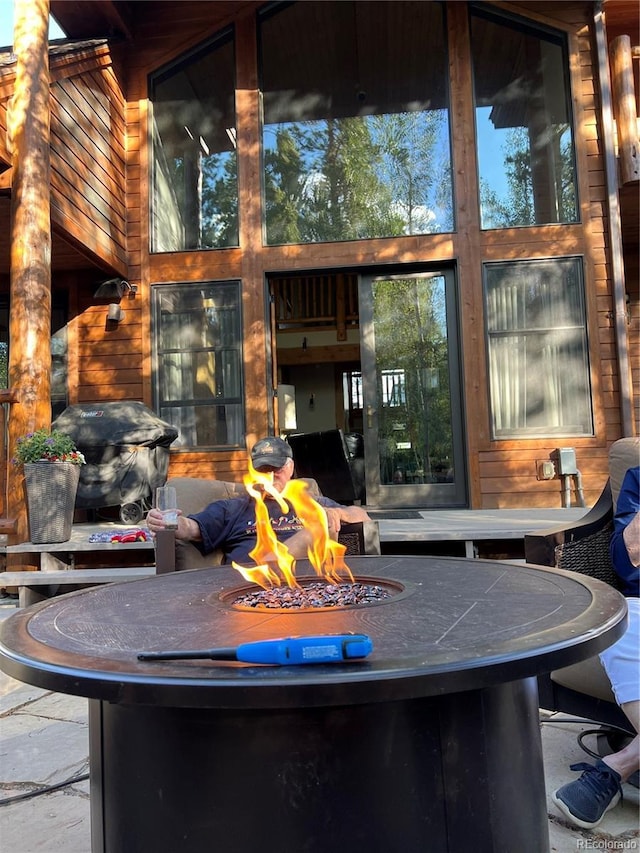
(523, 123)
(194, 203)
(356, 140)
(198, 355)
(537, 347)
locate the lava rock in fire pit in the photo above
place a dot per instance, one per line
(316, 594)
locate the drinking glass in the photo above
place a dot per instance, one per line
(166, 502)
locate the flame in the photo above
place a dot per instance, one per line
(274, 563)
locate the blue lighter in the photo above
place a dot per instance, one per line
(325, 648)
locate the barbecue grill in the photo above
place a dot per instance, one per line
(126, 448)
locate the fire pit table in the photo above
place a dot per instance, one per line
(430, 743)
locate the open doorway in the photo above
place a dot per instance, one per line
(315, 327)
(323, 329)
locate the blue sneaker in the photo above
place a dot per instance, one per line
(586, 801)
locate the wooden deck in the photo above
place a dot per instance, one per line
(470, 527)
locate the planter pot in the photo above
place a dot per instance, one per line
(51, 496)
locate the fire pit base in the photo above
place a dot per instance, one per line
(415, 775)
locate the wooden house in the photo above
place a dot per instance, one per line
(416, 220)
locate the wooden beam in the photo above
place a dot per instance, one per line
(318, 355)
(624, 107)
(30, 315)
(7, 398)
(340, 308)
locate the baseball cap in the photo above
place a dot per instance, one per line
(273, 452)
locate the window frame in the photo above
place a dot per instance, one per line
(524, 333)
(449, 209)
(161, 405)
(528, 27)
(227, 36)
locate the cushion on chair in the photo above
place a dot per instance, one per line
(588, 677)
(623, 454)
(194, 493)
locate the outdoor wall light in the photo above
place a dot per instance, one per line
(115, 288)
(114, 313)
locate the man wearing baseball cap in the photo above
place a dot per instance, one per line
(270, 453)
(230, 524)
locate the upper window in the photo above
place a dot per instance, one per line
(198, 357)
(356, 140)
(194, 198)
(523, 124)
(537, 348)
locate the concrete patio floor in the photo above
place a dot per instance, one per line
(44, 741)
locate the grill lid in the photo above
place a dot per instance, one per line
(117, 423)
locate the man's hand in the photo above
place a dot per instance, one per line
(187, 529)
(333, 521)
(347, 514)
(631, 536)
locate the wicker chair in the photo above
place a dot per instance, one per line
(583, 689)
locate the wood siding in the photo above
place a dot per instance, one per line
(88, 201)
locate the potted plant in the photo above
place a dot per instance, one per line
(51, 464)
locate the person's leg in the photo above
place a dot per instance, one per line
(586, 800)
(627, 761)
(621, 662)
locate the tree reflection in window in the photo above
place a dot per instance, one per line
(356, 121)
(194, 166)
(523, 123)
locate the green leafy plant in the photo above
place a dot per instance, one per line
(45, 446)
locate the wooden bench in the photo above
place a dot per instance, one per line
(64, 555)
(36, 586)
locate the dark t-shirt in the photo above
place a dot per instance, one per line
(231, 525)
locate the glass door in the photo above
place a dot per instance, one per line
(412, 414)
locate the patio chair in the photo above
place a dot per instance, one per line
(195, 493)
(584, 689)
(333, 460)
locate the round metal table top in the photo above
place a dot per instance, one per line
(450, 625)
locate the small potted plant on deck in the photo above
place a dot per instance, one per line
(51, 464)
